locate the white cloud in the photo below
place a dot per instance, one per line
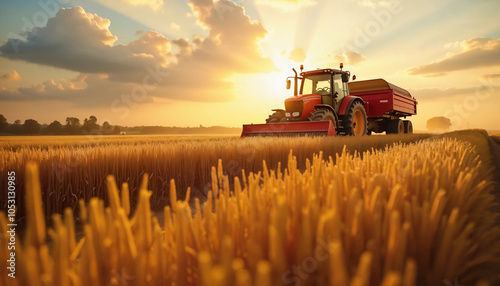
(288, 5)
(80, 41)
(350, 57)
(174, 26)
(298, 55)
(473, 53)
(76, 41)
(153, 4)
(377, 3)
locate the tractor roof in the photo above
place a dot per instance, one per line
(322, 71)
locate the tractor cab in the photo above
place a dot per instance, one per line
(321, 88)
(331, 84)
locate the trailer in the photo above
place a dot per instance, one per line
(385, 105)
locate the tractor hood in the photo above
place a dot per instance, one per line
(300, 107)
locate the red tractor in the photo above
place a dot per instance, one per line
(326, 103)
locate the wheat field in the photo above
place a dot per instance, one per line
(73, 168)
(409, 214)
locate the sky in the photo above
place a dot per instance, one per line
(204, 62)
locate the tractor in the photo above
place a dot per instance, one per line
(326, 103)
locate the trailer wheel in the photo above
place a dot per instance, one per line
(322, 115)
(408, 126)
(395, 126)
(354, 121)
(276, 117)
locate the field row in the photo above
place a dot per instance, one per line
(71, 172)
(411, 214)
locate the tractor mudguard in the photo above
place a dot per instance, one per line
(347, 102)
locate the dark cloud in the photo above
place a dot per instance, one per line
(474, 53)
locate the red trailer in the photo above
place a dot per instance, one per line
(385, 105)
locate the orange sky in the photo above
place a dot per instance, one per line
(186, 63)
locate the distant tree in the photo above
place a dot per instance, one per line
(438, 124)
(55, 128)
(32, 126)
(116, 129)
(90, 125)
(106, 128)
(16, 128)
(3, 123)
(73, 125)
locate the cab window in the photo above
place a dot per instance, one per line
(338, 88)
(320, 84)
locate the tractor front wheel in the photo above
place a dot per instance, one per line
(322, 115)
(276, 117)
(354, 121)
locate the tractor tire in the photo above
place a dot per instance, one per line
(354, 121)
(276, 117)
(408, 127)
(395, 126)
(322, 115)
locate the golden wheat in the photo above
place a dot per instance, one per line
(71, 172)
(414, 214)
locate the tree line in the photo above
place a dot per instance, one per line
(73, 126)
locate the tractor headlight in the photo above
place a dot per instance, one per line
(287, 114)
(295, 114)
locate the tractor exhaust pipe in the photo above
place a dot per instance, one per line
(296, 81)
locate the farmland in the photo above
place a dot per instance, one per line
(76, 167)
(380, 210)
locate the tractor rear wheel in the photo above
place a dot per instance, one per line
(408, 126)
(276, 117)
(322, 115)
(354, 121)
(395, 126)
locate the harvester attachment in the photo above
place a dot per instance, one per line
(300, 128)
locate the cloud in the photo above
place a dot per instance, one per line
(174, 26)
(298, 55)
(473, 53)
(376, 3)
(350, 57)
(491, 76)
(12, 75)
(153, 4)
(288, 5)
(199, 71)
(433, 93)
(84, 90)
(78, 41)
